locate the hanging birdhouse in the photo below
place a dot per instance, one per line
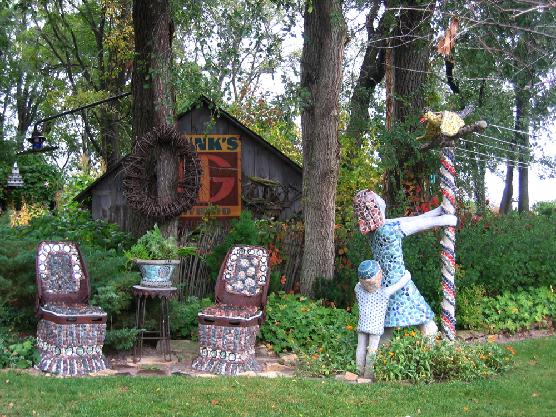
(15, 180)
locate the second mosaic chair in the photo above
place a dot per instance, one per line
(228, 329)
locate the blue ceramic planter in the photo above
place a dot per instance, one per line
(156, 273)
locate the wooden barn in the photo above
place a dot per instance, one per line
(241, 170)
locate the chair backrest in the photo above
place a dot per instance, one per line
(61, 274)
(244, 277)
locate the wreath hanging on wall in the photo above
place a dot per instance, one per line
(140, 166)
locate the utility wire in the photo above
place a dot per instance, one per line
(494, 157)
(486, 160)
(501, 141)
(491, 146)
(511, 130)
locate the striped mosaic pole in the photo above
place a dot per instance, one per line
(448, 241)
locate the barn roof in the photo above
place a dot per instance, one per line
(219, 112)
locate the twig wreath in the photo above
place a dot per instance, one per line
(138, 173)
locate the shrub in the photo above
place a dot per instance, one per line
(497, 253)
(545, 208)
(120, 339)
(470, 303)
(243, 231)
(410, 357)
(183, 317)
(101, 245)
(513, 311)
(324, 337)
(19, 355)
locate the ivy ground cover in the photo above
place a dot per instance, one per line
(528, 390)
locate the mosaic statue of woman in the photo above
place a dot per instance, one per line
(406, 307)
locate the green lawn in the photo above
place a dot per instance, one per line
(528, 390)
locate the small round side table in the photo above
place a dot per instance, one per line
(141, 294)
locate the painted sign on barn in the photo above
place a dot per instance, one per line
(220, 157)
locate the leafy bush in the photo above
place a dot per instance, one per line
(19, 355)
(183, 317)
(497, 253)
(324, 337)
(470, 303)
(513, 311)
(101, 245)
(545, 208)
(41, 180)
(120, 339)
(243, 231)
(410, 357)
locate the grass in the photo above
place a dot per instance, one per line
(527, 390)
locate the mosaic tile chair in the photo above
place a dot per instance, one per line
(70, 332)
(228, 329)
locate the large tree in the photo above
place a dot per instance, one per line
(321, 78)
(153, 98)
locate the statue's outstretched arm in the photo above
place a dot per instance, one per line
(411, 225)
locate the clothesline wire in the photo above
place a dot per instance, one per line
(487, 160)
(502, 141)
(491, 146)
(510, 129)
(494, 157)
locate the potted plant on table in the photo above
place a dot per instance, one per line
(157, 257)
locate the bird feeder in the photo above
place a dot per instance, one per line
(37, 140)
(15, 180)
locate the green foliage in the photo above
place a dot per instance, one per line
(41, 180)
(410, 357)
(183, 317)
(470, 303)
(512, 311)
(243, 231)
(20, 355)
(323, 337)
(101, 244)
(546, 208)
(497, 253)
(120, 339)
(154, 246)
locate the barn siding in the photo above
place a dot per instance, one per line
(258, 159)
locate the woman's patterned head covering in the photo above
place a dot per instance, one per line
(367, 210)
(370, 275)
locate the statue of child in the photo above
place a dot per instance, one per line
(373, 302)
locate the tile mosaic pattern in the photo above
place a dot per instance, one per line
(232, 312)
(407, 306)
(72, 309)
(70, 349)
(367, 211)
(59, 267)
(226, 350)
(246, 271)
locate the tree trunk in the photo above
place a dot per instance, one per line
(370, 74)
(507, 195)
(522, 124)
(153, 99)
(321, 78)
(410, 61)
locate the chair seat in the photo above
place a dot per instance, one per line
(72, 313)
(227, 314)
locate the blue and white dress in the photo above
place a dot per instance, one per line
(406, 307)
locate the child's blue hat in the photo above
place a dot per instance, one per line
(368, 269)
